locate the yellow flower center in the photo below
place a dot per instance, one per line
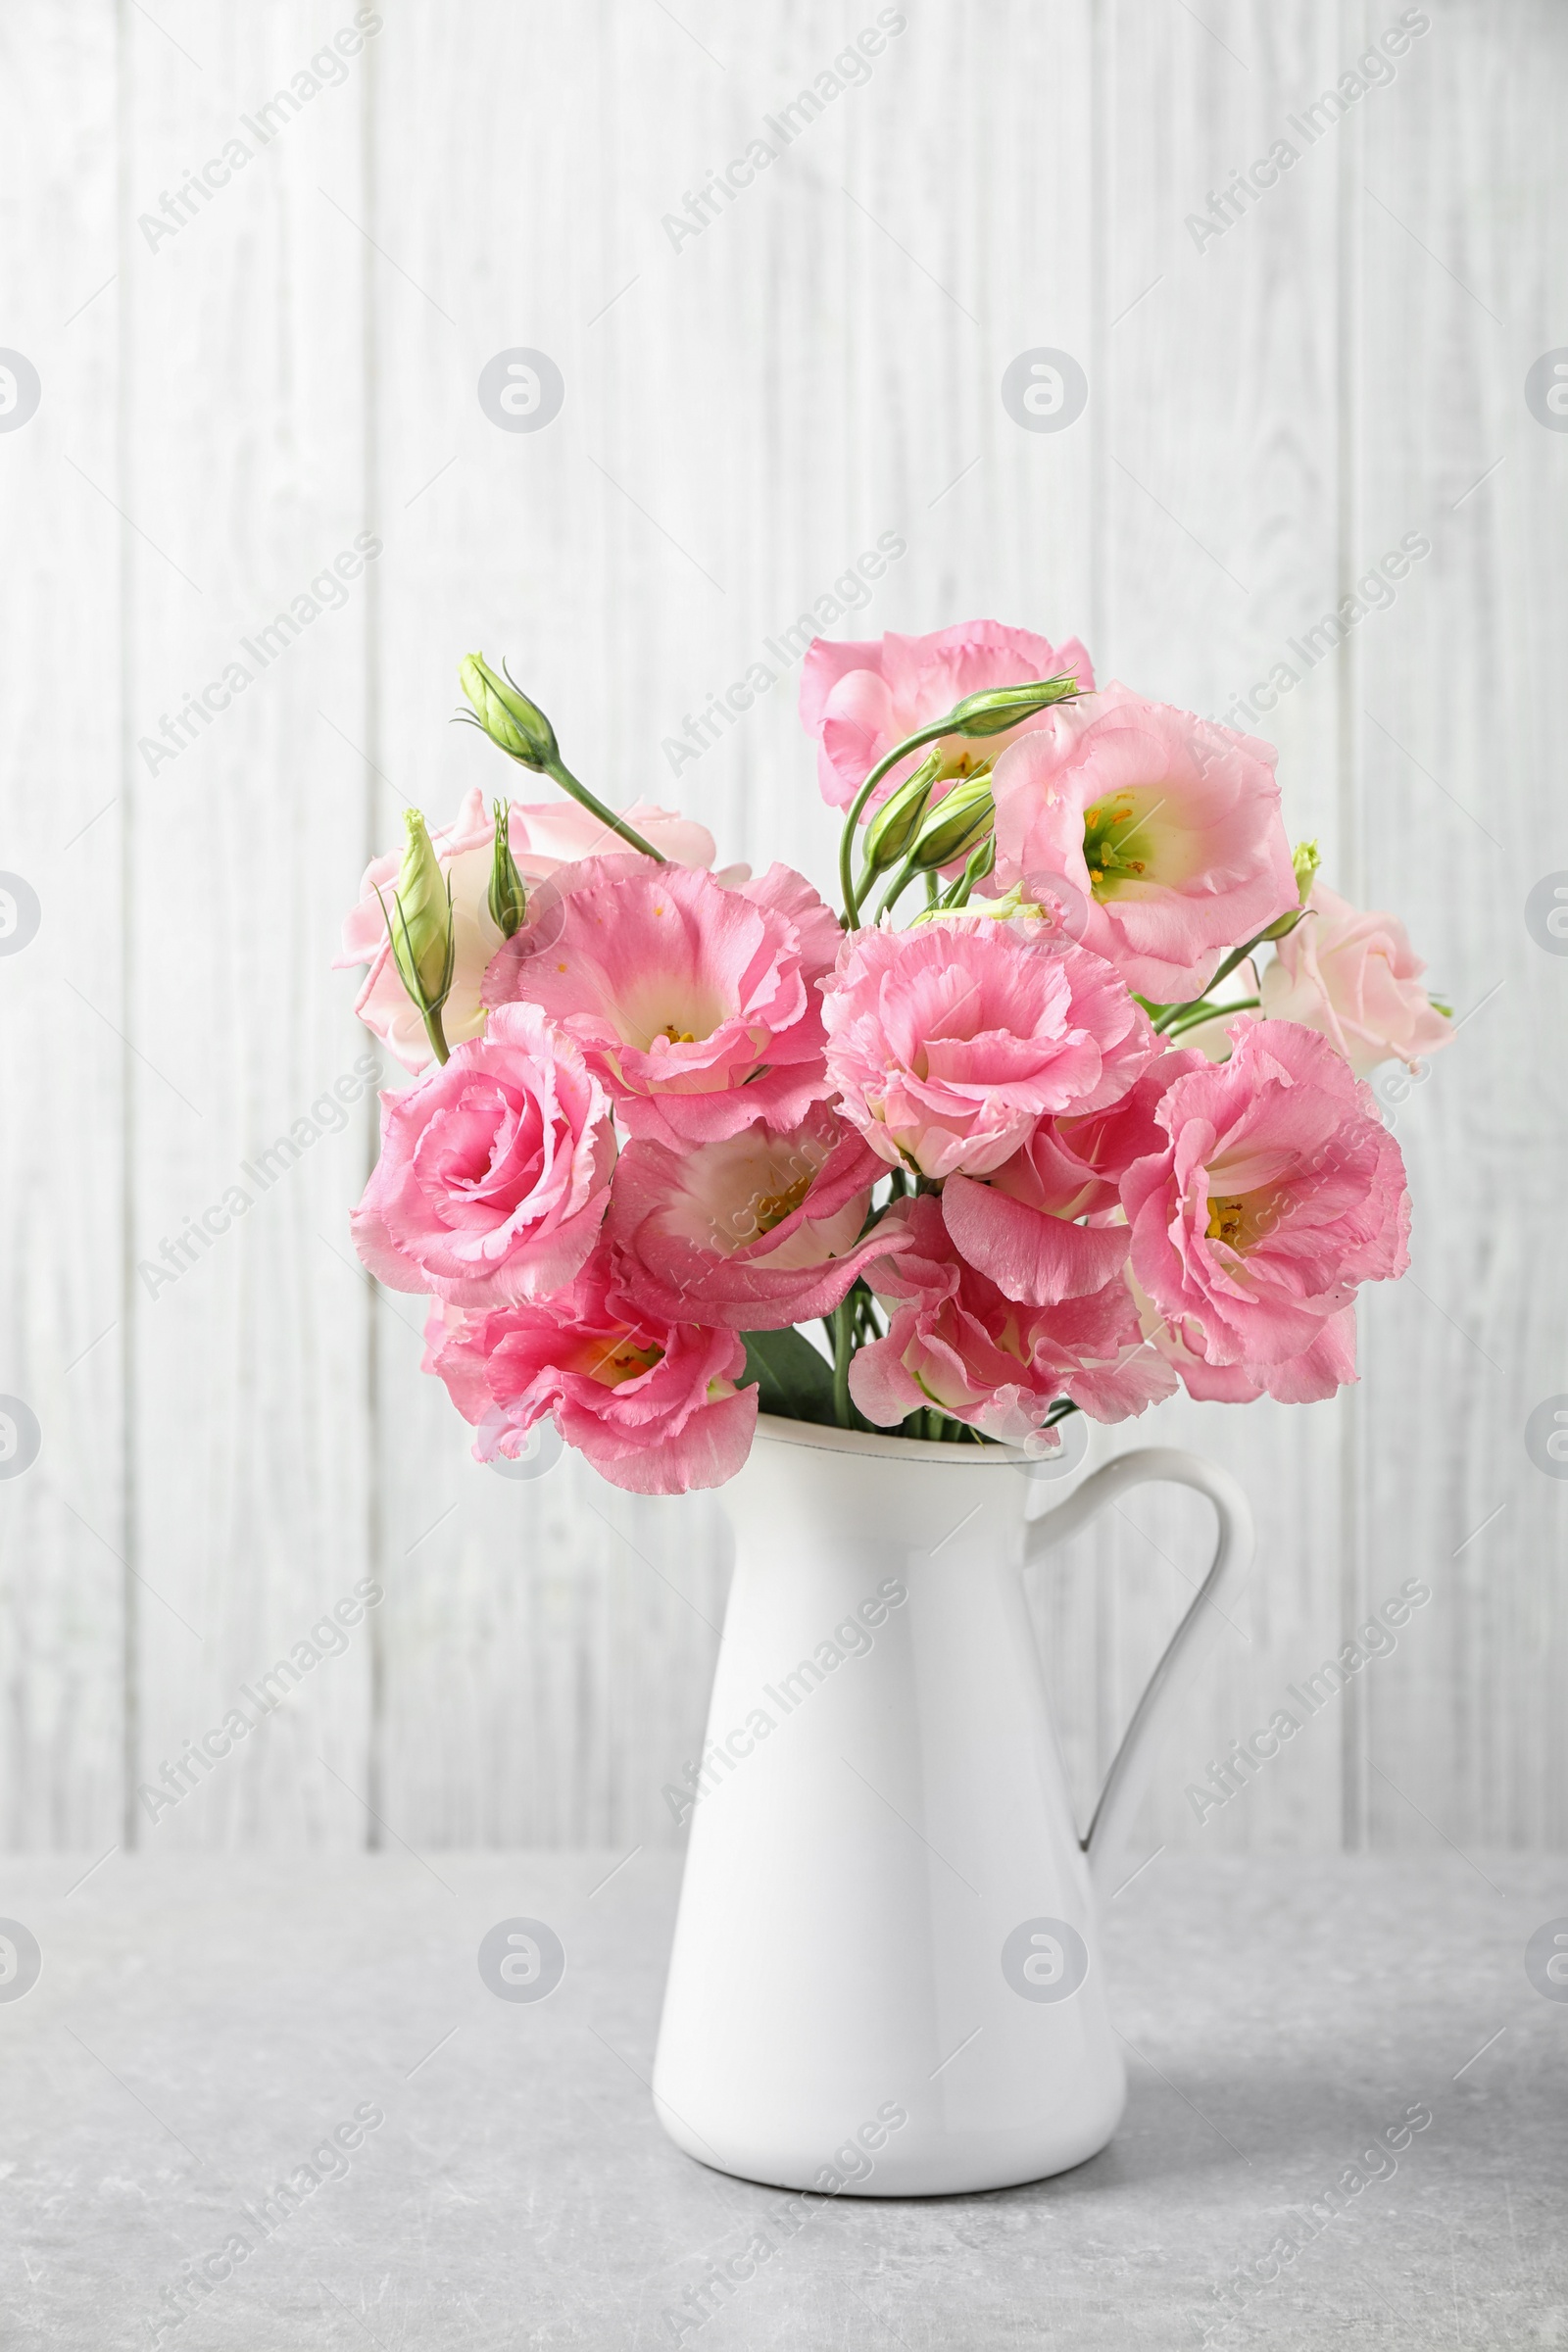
(1226, 1220)
(623, 1362)
(772, 1208)
(1112, 849)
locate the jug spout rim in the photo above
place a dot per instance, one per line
(886, 1446)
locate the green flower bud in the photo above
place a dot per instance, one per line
(955, 826)
(421, 921)
(890, 832)
(514, 723)
(509, 901)
(1305, 862)
(1004, 707)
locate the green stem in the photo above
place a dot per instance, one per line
(1170, 1014)
(436, 1033)
(1194, 1014)
(560, 775)
(894, 890)
(843, 1348)
(856, 808)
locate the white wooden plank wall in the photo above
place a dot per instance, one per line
(226, 1452)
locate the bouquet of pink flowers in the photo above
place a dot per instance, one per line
(1053, 1141)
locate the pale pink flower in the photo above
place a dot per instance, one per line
(957, 1341)
(543, 838)
(494, 1173)
(1356, 978)
(758, 1231)
(859, 699)
(1278, 1192)
(1167, 825)
(696, 1004)
(949, 1043)
(652, 1404)
(1018, 1225)
(1328, 1364)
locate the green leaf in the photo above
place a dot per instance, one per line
(792, 1379)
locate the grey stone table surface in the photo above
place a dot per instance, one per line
(203, 2026)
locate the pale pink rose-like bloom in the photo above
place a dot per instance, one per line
(696, 1004)
(758, 1231)
(1276, 1193)
(543, 838)
(949, 1043)
(1167, 826)
(494, 1173)
(858, 700)
(958, 1341)
(652, 1405)
(1018, 1225)
(1356, 978)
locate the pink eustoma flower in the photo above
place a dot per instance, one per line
(949, 1043)
(1356, 979)
(1166, 826)
(652, 1404)
(543, 838)
(494, 1174)
(958, 1341)
(859, 699)
(1020, 1226)
(695, 1003)
(1306, 1379)
(758, 1231)
(1277, 1192)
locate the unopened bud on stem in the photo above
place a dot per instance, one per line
(517, 727)
(888, 836)
(1004, 707)
(955, 826)
(1306, 861)
(509, 901)
(420, 926)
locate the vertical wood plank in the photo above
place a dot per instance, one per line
(244, 489)
(61, 1060)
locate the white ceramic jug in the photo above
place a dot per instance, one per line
(886, 1973)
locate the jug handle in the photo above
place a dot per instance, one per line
(1193, 1637)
